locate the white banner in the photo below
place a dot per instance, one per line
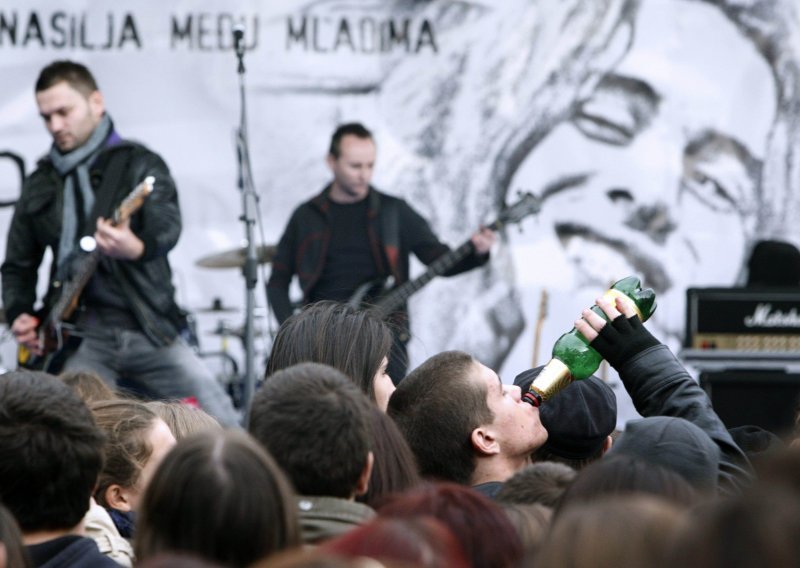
(663, 136)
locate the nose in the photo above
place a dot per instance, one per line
(654, 220)
(515, 392)
(55, 123)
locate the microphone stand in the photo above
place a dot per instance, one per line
(249, 208)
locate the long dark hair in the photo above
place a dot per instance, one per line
(395, 467)
(220, 496)
(351, 340)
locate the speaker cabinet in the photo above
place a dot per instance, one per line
(768, 399)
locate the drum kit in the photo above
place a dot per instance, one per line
(229, 372)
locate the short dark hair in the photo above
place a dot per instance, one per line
(351, 340)
(315, 423)
(352, 129)
(541, 482)
(51, 451)
(437, 408)
(74, 74)
(544, 454)
(218, 495)
(623, 474)
(126, 424)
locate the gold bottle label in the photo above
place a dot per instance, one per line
(611, 295)
(554, 377)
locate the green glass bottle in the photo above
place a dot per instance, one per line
(573, 358)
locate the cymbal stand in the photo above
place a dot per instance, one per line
(249, 209)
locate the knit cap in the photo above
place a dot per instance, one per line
(578, 419)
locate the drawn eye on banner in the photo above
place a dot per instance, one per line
(19, 163)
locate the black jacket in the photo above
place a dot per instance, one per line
(660, 386)
(67, 552)
(394, 229)
(36, 226)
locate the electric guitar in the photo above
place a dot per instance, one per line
(384, 299)
(537, 334)
(53, 330)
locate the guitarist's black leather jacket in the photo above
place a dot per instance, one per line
(395, 231)
(146, 282)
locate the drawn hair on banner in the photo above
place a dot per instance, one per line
(678, 162)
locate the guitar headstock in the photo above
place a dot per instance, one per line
(527, 204)
(543, 303)
(134, 200)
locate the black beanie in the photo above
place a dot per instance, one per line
(578, 419)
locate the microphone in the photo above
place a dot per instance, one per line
(238, 40)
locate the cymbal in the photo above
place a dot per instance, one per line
(226, 330)
(235, 258)
(213, 310)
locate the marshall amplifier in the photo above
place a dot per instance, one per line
(745, 343)
(743, 319)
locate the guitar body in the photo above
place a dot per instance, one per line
(56, 343)
(53, 359)
(370, 292)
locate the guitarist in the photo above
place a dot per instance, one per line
(352, 233)
(128, 317)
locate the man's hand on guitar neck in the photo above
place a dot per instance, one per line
(118, 241)
(24, 330)
(483, 240)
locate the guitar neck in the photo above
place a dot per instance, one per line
(526, 205)
(394, 299)
(68, 300)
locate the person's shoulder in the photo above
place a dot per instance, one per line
(315, 204)
(136, 149)
(386, 198)
(394, 204)
(44, 169)
(42, 183)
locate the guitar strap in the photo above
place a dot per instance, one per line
(390, 235)
(110, 180)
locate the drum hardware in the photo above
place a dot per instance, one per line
(234, 258)
(225, 329)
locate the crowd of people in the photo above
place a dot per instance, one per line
(341, 458)
(451, 469)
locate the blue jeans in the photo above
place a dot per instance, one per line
(170, 372)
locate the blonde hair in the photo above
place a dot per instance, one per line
(184, 419)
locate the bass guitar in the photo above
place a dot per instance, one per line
(53, 330)
(384, 299)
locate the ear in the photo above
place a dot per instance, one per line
(119, 498)
(97, 103)
(330, 160)
(484, 441)
(609, 441)
(363, 481)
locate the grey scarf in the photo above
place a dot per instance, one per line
(71, 166)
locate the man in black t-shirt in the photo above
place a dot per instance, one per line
(351, 233)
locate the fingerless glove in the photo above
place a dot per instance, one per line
(621, 339)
